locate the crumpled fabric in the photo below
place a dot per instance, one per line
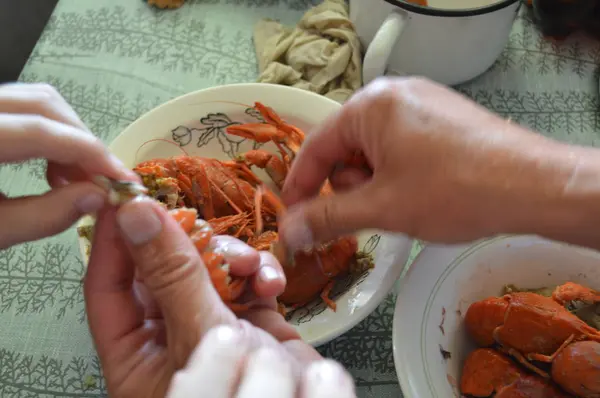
(321, 54)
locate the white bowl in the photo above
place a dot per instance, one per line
(195, 123)
(448, 279)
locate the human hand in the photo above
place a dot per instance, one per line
(442, 169)
(224, 366)
(36, 122)
(145, 329)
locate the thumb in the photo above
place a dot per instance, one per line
(34, 217)
(171, 269)
(328, 217)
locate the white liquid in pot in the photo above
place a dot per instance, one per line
(459, 4)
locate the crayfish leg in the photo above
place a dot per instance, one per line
(523, 361)
(186, 217)
(325, 295)
(550, 358)
(237, 287)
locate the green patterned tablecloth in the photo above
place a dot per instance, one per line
(115, 59)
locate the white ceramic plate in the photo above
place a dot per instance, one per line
(195, 123)
(447, 279)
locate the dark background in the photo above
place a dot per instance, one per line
(21, 23)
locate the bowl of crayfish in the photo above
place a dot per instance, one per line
(508, 316)
(223, 153)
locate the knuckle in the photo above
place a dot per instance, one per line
(37, 125)
(46, 90)
(162, 271)
(329, 216)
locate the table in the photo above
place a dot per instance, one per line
(115, 59)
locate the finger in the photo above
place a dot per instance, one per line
(303, 353)
(332, 143)
(270, 279)
(112, 308)
(24, 137)
(348, 178)
(243, 260)
(273, 323)
(328, 217)
(326, 378)
(59, 175)
(38, 99)
(268, 374)
(34, 217)
(171, 269)
(214, 367)
(143, 296)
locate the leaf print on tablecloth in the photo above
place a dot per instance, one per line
(291, 4)
(34, 277)
(35, 168)
(24, 376)
(177, 40)
(554, 113)
(106, 111)
(529, 51)
(366, 350)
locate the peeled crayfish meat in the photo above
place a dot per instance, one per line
(539, 332)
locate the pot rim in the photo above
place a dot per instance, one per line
(439, 12)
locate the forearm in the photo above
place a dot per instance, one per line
(566, 206)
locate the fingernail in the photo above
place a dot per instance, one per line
(268, 356)
(90, 203)
(119, 165)
(327, 373)
(138, 222)
(224, 344)
(295, 231)
(268, 274)
(227, 335)
(233, 249)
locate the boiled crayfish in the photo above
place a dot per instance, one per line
(234, 201)
(228, 287)
(487, 372)
(200, 232)
(539, 331)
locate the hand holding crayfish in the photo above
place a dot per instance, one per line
(152, 310)
(37, 123)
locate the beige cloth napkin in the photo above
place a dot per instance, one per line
(321, 54)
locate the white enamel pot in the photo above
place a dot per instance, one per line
(450, 46)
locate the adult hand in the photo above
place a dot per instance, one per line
(442, 168)
(224, 366)
(36, 122)
(145, 329)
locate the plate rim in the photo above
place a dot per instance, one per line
(208, 90)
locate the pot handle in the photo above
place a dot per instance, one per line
(378, 52)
